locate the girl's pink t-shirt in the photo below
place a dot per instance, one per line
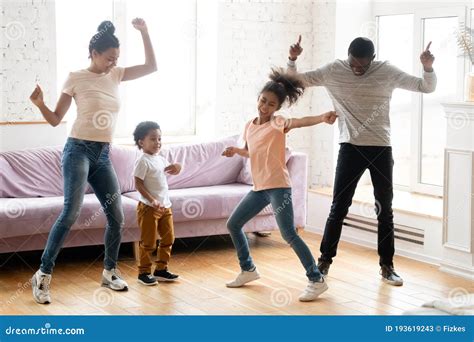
(266, 145)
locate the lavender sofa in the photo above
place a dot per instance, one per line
(203, 195)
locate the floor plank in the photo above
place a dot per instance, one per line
(206, 264)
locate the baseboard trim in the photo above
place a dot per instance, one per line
(457, 270)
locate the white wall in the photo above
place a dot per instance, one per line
(28, 56)
(18, 137)
(252, 36)
(324, 43)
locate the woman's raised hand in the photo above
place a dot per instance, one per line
(37, 96)
(140, 25)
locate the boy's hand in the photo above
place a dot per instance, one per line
(140, 25)
(37, 96)
(230, 151)
(173, 169)
(329, 117)
(157, 205)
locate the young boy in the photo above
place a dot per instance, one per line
(154, 209)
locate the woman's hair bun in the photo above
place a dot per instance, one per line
(106, 27)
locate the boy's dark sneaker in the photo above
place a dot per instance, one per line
(147, 279)
(389, 275)
(323, 267)
(164, 275)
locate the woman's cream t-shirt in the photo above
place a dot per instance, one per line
(98, 103)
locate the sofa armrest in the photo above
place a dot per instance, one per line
(298, 168)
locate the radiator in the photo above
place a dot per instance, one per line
(405, 233)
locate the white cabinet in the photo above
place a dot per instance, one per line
(458, 214)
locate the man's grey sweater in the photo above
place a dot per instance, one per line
(363, 102)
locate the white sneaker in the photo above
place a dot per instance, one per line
(313, 290)
(113, 280)
(40, 286)
(243, 278)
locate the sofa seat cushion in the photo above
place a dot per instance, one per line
(32, 216)
(206, 203)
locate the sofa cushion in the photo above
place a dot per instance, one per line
(31, 173)
(123, 160)
(27, 217)
(37, 172)
(203, 164)
(206, 203)
(34, 173)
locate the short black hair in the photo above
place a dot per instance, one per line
(142, 129)
(361, 47)
(104, 39)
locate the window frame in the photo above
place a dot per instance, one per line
(420, 12)
(204, 76)
(124, 134)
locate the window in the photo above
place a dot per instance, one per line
(417, 120)
(396, 46)
(167, 96)
(433, 123)
(471, 26)
(75, 25)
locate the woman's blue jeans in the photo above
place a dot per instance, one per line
(87, 162)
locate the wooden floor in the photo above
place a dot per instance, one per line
(205, 264)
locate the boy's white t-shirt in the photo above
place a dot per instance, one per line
(151, 169)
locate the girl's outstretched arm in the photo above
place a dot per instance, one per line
(149, 67)
(328, 117)
(53, 118)
(231, 151)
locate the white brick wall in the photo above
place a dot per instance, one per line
(253, 36)
(28, 56)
